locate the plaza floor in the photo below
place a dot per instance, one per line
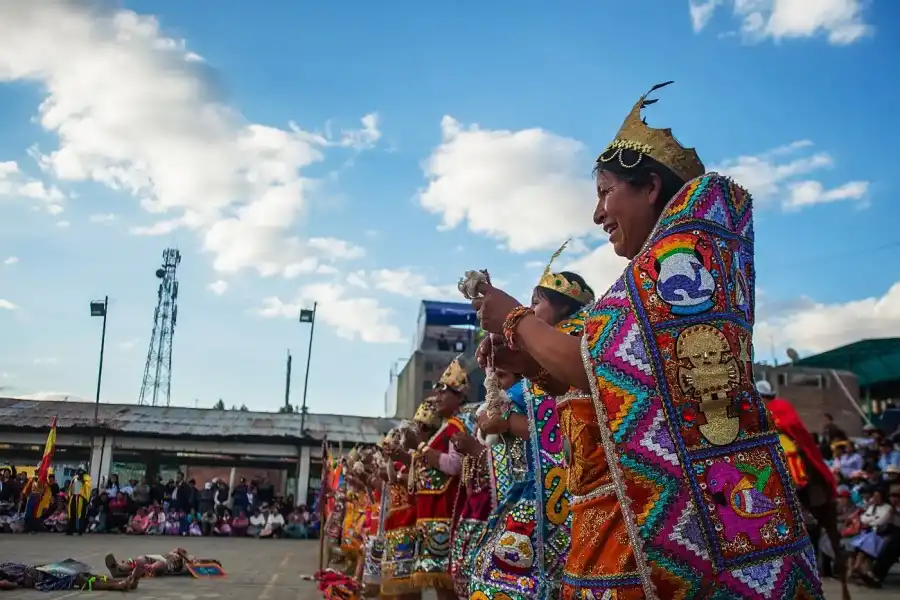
(257, 569)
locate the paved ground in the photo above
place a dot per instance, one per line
(257, 569)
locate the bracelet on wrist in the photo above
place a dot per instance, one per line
(513, 319)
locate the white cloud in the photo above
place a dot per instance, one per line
(218, 287)
(63, 224)
(129, 344)
(102, 219)
(11, 260)
(530, 189)
(781, 176)
(45, 361)
(405, 282)
(813, 327)
(16, 184)
(135, 111)
(7, 305)
(701, 12)
(352, 318)
(841, 21)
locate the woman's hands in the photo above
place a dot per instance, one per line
(493, 307)
(489, 424)
(514, 361)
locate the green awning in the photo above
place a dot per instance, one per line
(873, 362)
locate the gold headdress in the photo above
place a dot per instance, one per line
(456, 376)
(426, 414)
(658, 144)
(558, 282)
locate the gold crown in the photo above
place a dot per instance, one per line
(455, 376)
(658, 144)
(558, 282)
(426, 414)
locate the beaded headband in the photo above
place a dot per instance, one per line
(658, 144)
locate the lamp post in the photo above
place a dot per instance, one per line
(98, 309)
(307, 316)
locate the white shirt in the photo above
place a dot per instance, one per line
(258, 521)
(275, 519)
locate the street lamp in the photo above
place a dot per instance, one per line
(307, 316)
(98, 309)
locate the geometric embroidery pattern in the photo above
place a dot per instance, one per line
(702, 487)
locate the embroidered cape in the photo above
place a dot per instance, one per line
(696, 463)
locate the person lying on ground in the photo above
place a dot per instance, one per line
(172, 563)
(15, 576)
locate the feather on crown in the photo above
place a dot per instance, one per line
(559, 283)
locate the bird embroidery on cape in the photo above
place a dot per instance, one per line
(740, 500)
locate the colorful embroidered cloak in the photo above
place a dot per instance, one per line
(528, 538)
(475, 502)
(400, 539)
(436, 495)
(707, 502)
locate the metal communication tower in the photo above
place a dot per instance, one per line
(158, 370)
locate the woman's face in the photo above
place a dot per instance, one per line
(626, 212)
(877, 498)
(542, 308)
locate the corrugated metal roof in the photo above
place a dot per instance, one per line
(197, 422)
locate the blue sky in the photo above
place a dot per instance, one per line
(363, 155)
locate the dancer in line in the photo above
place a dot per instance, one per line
(678, 435)
(529, 537)
(435, 468)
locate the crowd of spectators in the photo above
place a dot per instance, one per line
(867, 472)
(177, 507)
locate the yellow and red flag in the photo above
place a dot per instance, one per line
(44, 470)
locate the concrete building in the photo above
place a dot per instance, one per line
(228, 443)
(445, 330)
(814, 391)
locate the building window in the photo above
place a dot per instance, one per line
(782, 379)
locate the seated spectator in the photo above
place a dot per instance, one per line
(274, 523)
(186, 521)
(257, 522)
(868, 544)
(117, 518)
(846, 461)
(139, 523)
(296, 525)
(890, 551)
(223, 526)
(887, 457)
(156, 521)
(239, 524)
(173, 522)
(194, 529)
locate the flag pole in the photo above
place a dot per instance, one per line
(323, 502)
